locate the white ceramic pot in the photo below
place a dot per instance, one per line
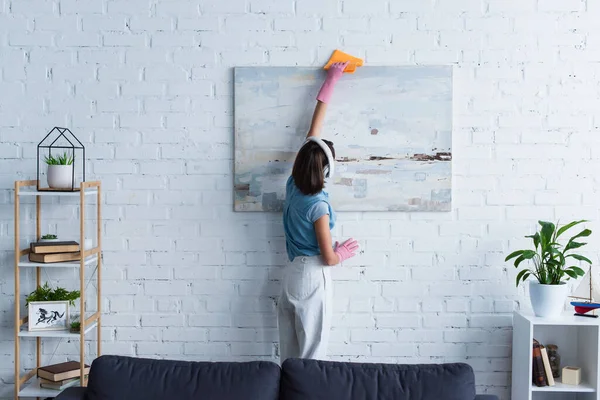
(547, 300)
(48, 240)
(60, 176)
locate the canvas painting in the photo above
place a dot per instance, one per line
(48, 315)
(391, 128)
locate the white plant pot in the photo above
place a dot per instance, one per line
(60, 176)
(48, 240)
(547, 300)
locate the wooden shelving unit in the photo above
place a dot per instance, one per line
(578, 341)
(27, 385)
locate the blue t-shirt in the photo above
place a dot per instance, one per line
(299, 214)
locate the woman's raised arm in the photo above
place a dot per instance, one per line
(333, 75)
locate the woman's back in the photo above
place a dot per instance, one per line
(299, 214)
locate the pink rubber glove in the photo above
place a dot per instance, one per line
(333, 74)
(346, 250)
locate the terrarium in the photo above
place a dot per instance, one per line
(64, 156)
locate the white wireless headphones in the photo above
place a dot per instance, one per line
(329, 169)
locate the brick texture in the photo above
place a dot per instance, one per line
(147, 85)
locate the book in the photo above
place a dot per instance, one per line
(57, 383)
(54, 247)
(539, 372)
(62, 371)
(533, 372)
(547, 367)
(60, 385)
(51, 258)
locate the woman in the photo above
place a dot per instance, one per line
(305, 305)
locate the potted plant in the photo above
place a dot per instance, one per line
(60, 171)
(48, 309)
(550, 259)
(75, 325)
(49, 238)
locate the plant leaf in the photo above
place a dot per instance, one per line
(571, 273)
(583, 233)
(568, 226)
(519, 260)
(536, 239)
(580, 258)
(514, 254)
(45, 293)
(520, 276)
(546, 232)
(574, 245)
(529, 254)
(577, 270)
(552, 262)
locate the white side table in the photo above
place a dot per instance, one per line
(577, 339)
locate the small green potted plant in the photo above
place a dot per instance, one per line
(75, 325)
(60, 171)
(551, 266)
(48, 309)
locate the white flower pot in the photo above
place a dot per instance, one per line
(547, 300)
(60, 176)
(48, 240)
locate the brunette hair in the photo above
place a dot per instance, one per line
(308, 168)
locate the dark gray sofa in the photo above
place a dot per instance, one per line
(117, 377)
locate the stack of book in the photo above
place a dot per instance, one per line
(542, 372)
(61, 376)
(50, 252)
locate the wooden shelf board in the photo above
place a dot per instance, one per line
(32, 389)
(73, 264)
(560, 387)
(54, 334)
(24, 192)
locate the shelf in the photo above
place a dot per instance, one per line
(32, 389)
(24, 262)
(578, 340)
(93, 260)
(560, 387)
(24, 192)
(54, 334)
(564, 319)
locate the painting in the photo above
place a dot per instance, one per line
(48, 315)
(391, 128)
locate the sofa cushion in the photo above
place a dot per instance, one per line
(116, 377)
(314, 380)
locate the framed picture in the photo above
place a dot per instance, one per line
(48, 315)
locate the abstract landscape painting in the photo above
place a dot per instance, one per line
(391, 128)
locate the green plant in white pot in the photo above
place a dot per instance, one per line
(551, 267)
(60, 171)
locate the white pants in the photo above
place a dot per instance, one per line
(304, 309)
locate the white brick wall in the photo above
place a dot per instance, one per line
(148, 86)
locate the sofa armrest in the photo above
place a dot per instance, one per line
(486, 397)
(72, 393)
